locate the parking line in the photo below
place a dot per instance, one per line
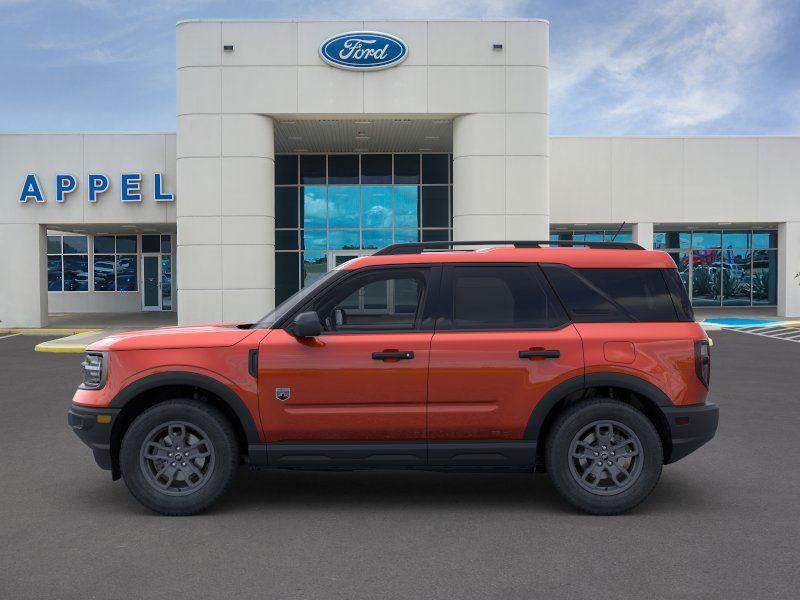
(2, 337)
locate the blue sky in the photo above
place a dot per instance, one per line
(617, 68)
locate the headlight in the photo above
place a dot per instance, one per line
(94, 371)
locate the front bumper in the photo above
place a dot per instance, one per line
(690, 427)
(93, 426)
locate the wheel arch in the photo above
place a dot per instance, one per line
(153, 389)
(630, 389)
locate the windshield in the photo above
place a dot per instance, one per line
(277, 313)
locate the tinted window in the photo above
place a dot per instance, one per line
(502, 298)
(376, 168)
(609, 295)
(150, 243)
(343, 168)
(680, 299)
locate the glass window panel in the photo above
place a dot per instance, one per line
(166, 282)
(313, 207)
(343, 206)
(76, 273)
(126, 273)
(376, 238)
(343, 168)
(736, 278)
(765, 277)
(406, 168)
(54, 244)
(675, 239)
(285, 169)
(736, 239)
(126, 244)
(343, 239)
(434, 207)
(312, 168)
(376, 202)
(659, 240)
(287, 275)
(286, 240)
(388, 302)
(315, 265)
(313, 239)
(166, 244)
(706, 239)
(75, 244)
(765, 239)
(406, 235)
(150, 243)
(681, 260)
(286, 207)
(376, 168)
(641, 292)
(436, 235)
(434, 168)
(54, 279)
(104, 244)
(406, 206)
(588, 236)
(622, 236)
(103, 272)
(706, 276)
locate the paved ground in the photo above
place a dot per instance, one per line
(723, 523)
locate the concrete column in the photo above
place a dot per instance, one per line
(23, 271)
(643, 235)
(501, 176)
(788, 267)
(226, 222)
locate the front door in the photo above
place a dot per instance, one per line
(151, 282)
(364, 380)
(503, 341)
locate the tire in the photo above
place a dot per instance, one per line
(576, 447)
(156, 467)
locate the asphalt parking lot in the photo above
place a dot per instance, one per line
(723, 523)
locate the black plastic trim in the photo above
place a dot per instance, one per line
(480, 453)
(419, 247)
(252, 362)
(83, 421)
(629, 382)
(690, 427)
(195, 380)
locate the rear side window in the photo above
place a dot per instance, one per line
(501, 297)
(612, 295)
(683, 306)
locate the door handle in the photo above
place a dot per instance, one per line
(539, 353)
(393, 354)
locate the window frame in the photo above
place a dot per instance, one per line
(444, 321)
(425, 320)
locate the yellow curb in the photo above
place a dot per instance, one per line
(61, 349)
(46, 331)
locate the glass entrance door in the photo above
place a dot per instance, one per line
(151, 282)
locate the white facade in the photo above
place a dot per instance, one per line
(476, 90)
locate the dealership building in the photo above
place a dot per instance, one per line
(300, 145)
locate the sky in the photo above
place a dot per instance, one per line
(668, 67)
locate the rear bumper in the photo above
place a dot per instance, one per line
(690, 427)
(96, 434)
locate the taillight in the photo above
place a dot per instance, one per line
(702, 361)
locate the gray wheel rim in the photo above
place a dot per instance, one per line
(177, 458)
(605, 458)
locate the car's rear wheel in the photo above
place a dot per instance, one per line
(179, 457)
(604, 456)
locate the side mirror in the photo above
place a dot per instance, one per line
(306, 325)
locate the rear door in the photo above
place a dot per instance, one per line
(501, 343)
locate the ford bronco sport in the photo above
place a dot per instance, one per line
(584, 362)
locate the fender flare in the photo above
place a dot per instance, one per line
(582, 382)
(228, 396)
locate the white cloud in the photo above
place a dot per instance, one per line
(670, 66)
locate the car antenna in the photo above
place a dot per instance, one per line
(618, 230)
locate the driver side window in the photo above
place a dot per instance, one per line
(389, 300)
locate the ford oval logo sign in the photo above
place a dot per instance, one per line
(363, 50)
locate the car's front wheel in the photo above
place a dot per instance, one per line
(179, 457)
(604, 456)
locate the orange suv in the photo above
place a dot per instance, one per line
(584, 362)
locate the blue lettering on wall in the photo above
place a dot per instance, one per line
(31, 190)
(65, 184)
(98, 183)
(158, 195)
(131, 188)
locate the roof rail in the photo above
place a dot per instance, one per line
(419, 247)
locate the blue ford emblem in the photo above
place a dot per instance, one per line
(363, 50)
